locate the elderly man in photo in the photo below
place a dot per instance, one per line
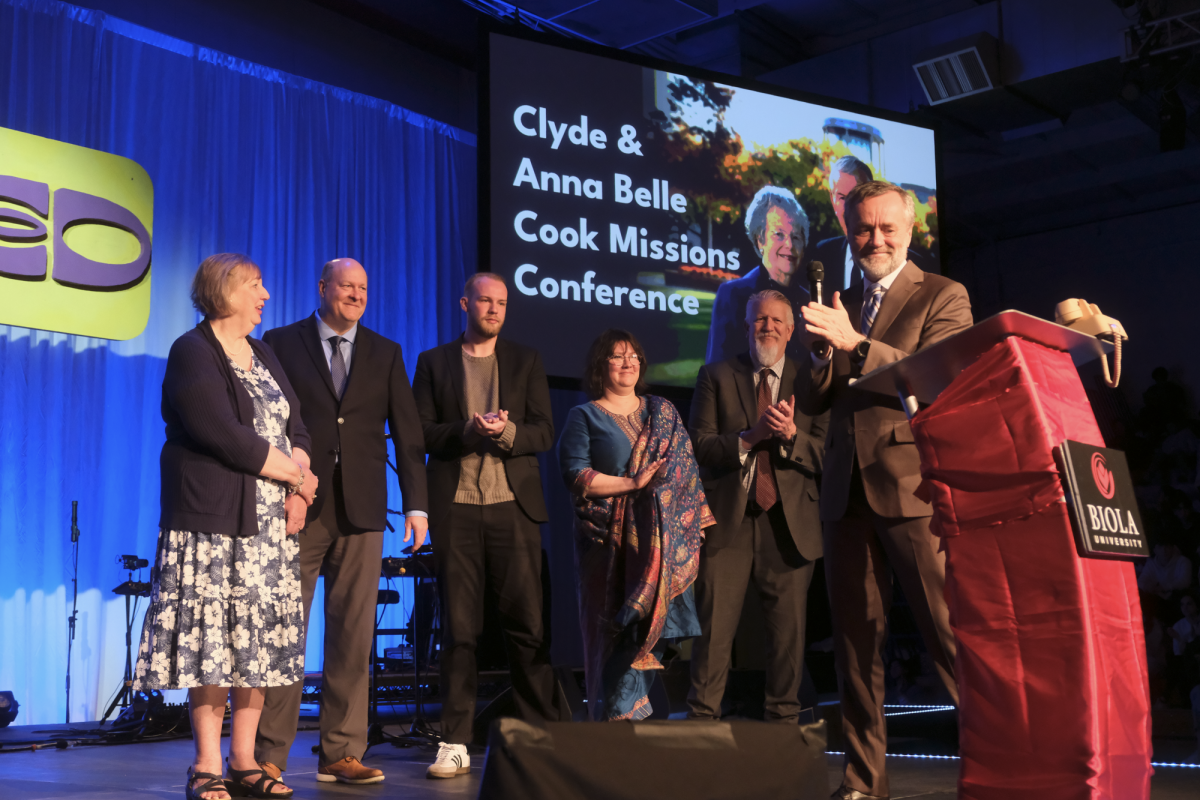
(778, 228)
(874, 526)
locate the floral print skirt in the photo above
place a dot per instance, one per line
(225, 611)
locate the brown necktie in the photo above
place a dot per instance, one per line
(766, 493)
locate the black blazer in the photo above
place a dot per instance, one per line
(724, 405)
(212, 456)
(377, 392)
(524, 394)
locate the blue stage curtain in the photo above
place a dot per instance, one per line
(243, 159)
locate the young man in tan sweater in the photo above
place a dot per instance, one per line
(485, 410)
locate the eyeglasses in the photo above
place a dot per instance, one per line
(628, 358)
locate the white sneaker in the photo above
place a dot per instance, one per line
(452, 761)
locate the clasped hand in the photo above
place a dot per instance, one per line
(491, 424)
(777, 421)
(296, 505)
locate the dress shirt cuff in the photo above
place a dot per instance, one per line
(415, 513)
(505, 440)
(743, 451)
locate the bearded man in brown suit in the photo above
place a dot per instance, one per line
(873, 525)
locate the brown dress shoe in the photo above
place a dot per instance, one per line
(273, 772)
(349, 770)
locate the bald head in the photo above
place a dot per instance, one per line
(343, 290)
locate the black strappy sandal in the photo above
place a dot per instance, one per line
(260, 788)
(215, 783)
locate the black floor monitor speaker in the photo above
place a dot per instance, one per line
(655, 760)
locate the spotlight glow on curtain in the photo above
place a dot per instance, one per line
(243, 159)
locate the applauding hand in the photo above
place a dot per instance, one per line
(645, 475)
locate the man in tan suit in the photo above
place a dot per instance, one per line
(872, 523)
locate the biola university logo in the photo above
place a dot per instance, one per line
(1104, 510)
(75, 238)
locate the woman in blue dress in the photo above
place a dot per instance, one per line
(640, 515)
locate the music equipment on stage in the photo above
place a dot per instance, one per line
(74, 596)
(420, 567)
(128, 589)
(653, 760)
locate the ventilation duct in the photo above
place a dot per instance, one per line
(958, 69)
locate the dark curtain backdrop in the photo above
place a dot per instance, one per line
(245, 159)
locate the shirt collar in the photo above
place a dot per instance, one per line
(886, 283)
(324, 331)
(776, 368)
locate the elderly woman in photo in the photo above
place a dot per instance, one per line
(778, 228)
(640, 514)
(225, 617)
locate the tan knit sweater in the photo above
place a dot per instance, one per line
(483, 479)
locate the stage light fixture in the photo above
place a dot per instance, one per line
(8, 708)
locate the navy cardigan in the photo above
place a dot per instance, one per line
(212, 456)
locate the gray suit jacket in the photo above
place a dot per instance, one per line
(724, 405)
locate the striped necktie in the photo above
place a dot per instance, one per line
(871, 308)
(766, 490)
(337, 366)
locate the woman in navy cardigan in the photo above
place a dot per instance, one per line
(225, 617)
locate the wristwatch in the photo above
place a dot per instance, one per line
(859, 353)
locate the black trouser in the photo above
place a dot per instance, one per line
(491, 553)
(764, 553)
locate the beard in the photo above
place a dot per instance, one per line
(767, 350)
(879, 264)
(483, 328)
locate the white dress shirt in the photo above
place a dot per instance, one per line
(347, 347)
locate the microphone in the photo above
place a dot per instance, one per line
(74, 520)
(816, 277)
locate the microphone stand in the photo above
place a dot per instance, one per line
(74, 597)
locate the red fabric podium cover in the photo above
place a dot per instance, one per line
(1051, 664)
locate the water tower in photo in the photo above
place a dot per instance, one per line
(865, 142)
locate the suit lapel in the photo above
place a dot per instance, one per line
(905, 285)
(786, 380)
(744, 374)
(362, 355)
(454, 363)
(853, 301)
(502, 361)
(312, 343)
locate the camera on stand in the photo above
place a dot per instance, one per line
(131, 563)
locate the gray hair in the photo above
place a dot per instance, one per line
(865, 191)
(756, 214)
(214, 282)
(756, 300)
(850, 165)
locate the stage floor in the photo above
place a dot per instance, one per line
(157, 770)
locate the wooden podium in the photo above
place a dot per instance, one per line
(1051, 658)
